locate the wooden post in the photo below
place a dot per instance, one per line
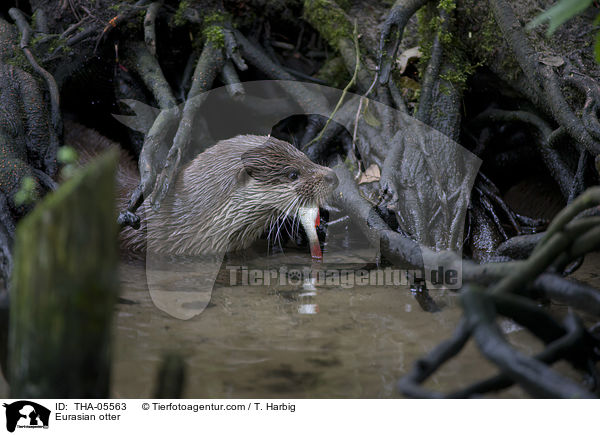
(64, 286)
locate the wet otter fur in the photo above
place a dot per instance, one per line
(224, 199)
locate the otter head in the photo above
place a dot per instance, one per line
(290, 183)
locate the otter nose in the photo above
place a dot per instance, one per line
(332, 179)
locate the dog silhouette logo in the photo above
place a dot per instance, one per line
(26, 414)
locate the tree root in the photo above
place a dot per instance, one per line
(586, 200)
(138, 58)
(150, 27)
(309, 101)
(432, 71)
(519, 247)
(578, 183)
(424, 367)
(572, 293)
(544, 83)
(56, 117)
(535, 377)
(564, 240)
(569, 341)
(230, 77)
(210, 63)
(396, 248)
(122, 17)
(557, 167)
(391, 34)
(28, 135)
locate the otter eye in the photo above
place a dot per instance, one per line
(293, 175)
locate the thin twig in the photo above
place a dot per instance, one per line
(357, 116)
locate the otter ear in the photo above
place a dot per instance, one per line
(249, 162)
(243, 177)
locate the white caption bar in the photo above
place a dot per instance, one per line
(270, 416)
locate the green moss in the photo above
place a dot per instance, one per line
(215, 17)
(19, 60)
(34, 19)
(329, 20)
(447, 5)
(35, 40)
(488, 37)
(179, 17)
(213, 28)
(56, 44)
(214, 34)
(460, 74)
(430, 25)
(416, 97)
(424, 28)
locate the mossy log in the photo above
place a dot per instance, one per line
(64, 286)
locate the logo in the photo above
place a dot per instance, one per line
(26, 414)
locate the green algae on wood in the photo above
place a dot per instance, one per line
(213, 29)
(431, 24)
(64, 286)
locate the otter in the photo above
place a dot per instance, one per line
(224, 199)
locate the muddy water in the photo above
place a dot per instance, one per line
(287, 341)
